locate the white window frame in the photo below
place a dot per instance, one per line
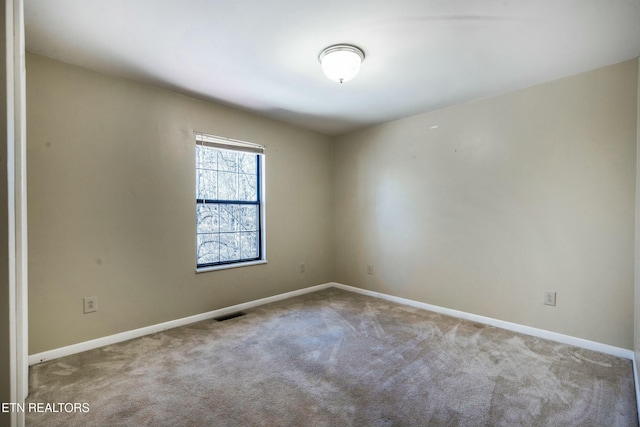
(243, 146)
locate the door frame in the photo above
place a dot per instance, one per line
(17, 206)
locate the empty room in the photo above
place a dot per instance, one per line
(417, 213)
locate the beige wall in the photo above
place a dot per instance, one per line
(112, 210)
(509, 196)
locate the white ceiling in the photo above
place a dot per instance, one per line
(262, 55)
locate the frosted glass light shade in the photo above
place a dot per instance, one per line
(341, 62)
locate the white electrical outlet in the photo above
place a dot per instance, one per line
(369, 268)
(549, 298)
(302, 267)
(90, 304)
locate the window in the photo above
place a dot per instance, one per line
(229, 203)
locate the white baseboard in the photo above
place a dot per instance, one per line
(147, 330)
(528, 330)
(136, 333)
(635, 381)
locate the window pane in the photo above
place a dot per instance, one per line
(207, 218)
(207, 250)
(249, 218)
(227, 161)
(249, 245)
(206, 184)
(248, 188)
(229, 247)
(199, 154)
(229, 220)
(228, 186)
(206, 157)
(248, 163)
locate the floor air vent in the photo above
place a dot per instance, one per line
(229, 316)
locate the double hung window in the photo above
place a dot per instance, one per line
(229, 203)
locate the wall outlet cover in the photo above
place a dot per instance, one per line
(90, 304)
(549, 298)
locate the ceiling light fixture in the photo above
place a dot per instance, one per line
(341, 62)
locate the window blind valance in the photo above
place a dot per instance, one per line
(227, 143)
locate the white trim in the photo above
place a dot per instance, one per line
(16, 205)
(635, 382)
(528, 330)
(636, 287)
(20, 77)
(136, 333)
(227, 266)
(224, 142)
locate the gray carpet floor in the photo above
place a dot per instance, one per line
(335, 358)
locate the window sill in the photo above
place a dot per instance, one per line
(227, 266)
